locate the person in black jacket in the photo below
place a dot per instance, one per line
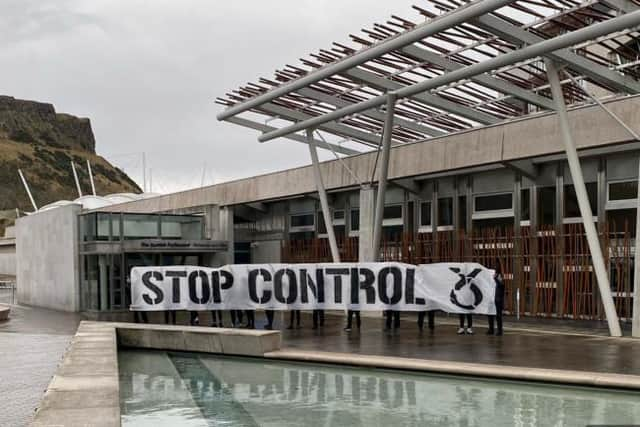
(499, 300)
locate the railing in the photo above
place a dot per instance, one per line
(550, 269)
(10, 285)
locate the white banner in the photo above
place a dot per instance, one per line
(450, 287)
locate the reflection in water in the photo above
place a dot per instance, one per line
(185, 389)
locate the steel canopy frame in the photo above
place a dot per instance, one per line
(629, 20)
(419, 33)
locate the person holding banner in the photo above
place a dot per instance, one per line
(392, 317)
(499, 300)
(251, 319)
(350, 315)
(170, 315)
(236, 318)
(469, 330)
(294, 314)
(318, 318)
(270, 315)
(431, 320)
(216, 319)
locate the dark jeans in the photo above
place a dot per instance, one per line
(497, 317)
(236, 318)
(350, 315)
(431, 314)
(216, 318)
(140, 317)
(295, 315)
(469, 320)
(270, 315)
(392, 316)
(170, 316)
(251, 319)
(318, 318)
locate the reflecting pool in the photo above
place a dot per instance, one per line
(186, 389)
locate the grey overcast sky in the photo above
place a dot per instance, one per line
(147, 73)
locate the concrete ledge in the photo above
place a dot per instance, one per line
(85, 389)
(4, 312)
(237, 342)
(578, 378)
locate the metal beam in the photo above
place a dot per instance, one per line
(374, 114)
(424, 98)
(324, 203)
(409, 185)
(525, 167)
(383, 175)
(583, 201)
(494, 83)
(579, 63)
(294, 136)
(420, 32)
(335, 128)
(544, 47)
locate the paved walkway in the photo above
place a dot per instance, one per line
(32, 344)
(526, 345)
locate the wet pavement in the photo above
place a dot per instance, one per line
(32, 344)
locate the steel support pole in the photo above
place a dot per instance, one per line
(384, 173)
(324, 203)
(635, 322)
(583, 201)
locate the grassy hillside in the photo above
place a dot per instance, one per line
(42, 143)
(48, 172)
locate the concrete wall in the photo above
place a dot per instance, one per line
(7, 259)
(528, 137)
(47, 259)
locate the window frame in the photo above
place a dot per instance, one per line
(302, 228)
(392, 222)
(494, 213)
(335, 222)
(623, 203)
(577, 219)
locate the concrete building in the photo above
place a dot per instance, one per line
(499, 192)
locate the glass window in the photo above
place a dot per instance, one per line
(338, 215)
(445, 211)
(571, 208)
(623, 190)
(181, 227)
(425, 214)
(355, 219)
(494, 202)
(304, 220)
(140, 226)
(392, 212)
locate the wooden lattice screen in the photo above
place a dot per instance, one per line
(564, 284)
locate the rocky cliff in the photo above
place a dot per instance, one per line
(41, 142)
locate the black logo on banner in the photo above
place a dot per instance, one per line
(468, 280)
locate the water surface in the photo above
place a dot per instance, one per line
(184, 389)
